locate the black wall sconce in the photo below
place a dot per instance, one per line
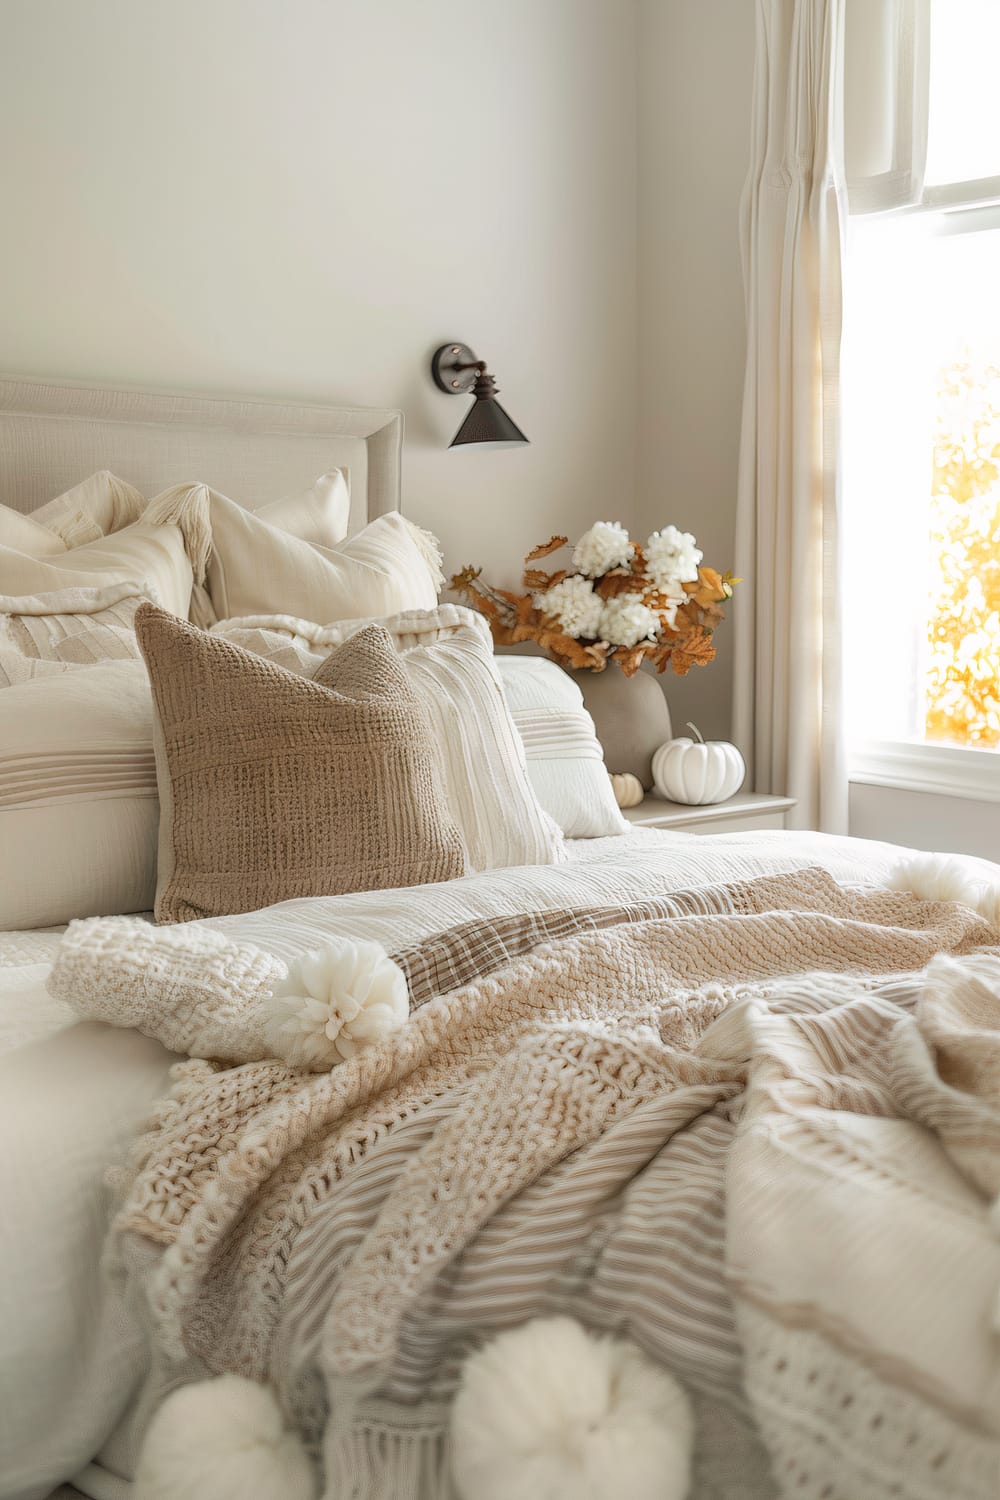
(458, 372)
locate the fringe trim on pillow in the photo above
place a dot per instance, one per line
(127, 505)
(429, 548)
(187, 506)
(202, 610)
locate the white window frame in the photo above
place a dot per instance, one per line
(915, 765)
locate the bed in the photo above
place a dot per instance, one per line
(730, 1099)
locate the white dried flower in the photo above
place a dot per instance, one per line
(675, 596)
(333, 1002)
(574, 604)
(605, 546)
(672, 557)
(626, 621)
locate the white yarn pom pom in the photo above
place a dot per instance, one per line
(944, 877)
(222, 1439)
(333, 1002)
(551, 1411)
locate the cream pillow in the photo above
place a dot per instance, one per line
(78, 807)
(100, 503)
(162, 555)
(447, 653)
(320, 515)
(92, 509)
(565, 760)
(24, 534)
(390, 565)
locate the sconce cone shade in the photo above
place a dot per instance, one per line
(458, 372)
(487, 422)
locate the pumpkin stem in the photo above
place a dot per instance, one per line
(696, 732)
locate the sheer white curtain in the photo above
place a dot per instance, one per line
(787, 696)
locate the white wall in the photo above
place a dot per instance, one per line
(695, 76)
(305, 197)
(924, 820)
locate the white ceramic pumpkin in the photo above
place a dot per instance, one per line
(697, 771)
(627, 788)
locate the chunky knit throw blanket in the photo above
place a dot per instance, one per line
(756, 1129)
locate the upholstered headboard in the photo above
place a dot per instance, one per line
(53, 435)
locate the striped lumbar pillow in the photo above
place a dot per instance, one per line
(78, 811)
(564, 755)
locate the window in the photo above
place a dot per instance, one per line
(921, 434)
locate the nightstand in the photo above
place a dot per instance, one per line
(743, 813)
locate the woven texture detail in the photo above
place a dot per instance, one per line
(272, 786)
(447, 654)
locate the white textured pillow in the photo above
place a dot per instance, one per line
(448, 656)
(78, 808)
(255, 568)
(565, 759)
(24, 534)
(320, 515)
(91, 509)
(151, 554)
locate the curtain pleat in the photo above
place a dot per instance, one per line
(787, 708)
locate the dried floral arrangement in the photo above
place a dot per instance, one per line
(617, 601)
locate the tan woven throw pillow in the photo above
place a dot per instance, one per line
(273, 786)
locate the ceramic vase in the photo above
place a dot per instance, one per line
(631, 717)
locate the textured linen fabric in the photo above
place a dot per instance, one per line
(389, 565)
(272, 786)
(565, 760)
(78, 811)
(447, 654)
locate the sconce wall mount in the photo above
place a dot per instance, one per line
(458, 372)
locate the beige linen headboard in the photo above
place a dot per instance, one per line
(52, 435)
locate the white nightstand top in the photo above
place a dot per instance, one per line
(656, 812)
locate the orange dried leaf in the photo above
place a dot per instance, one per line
(619, 581)
(552, 545)
(693, 650)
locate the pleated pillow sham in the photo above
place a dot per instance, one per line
(447, 654)
(273, 786)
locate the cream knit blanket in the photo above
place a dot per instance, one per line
(583, 1129)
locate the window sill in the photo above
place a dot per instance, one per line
(942, 770)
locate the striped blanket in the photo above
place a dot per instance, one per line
(739, 1125)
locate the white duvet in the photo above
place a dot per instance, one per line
(72, 1095)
